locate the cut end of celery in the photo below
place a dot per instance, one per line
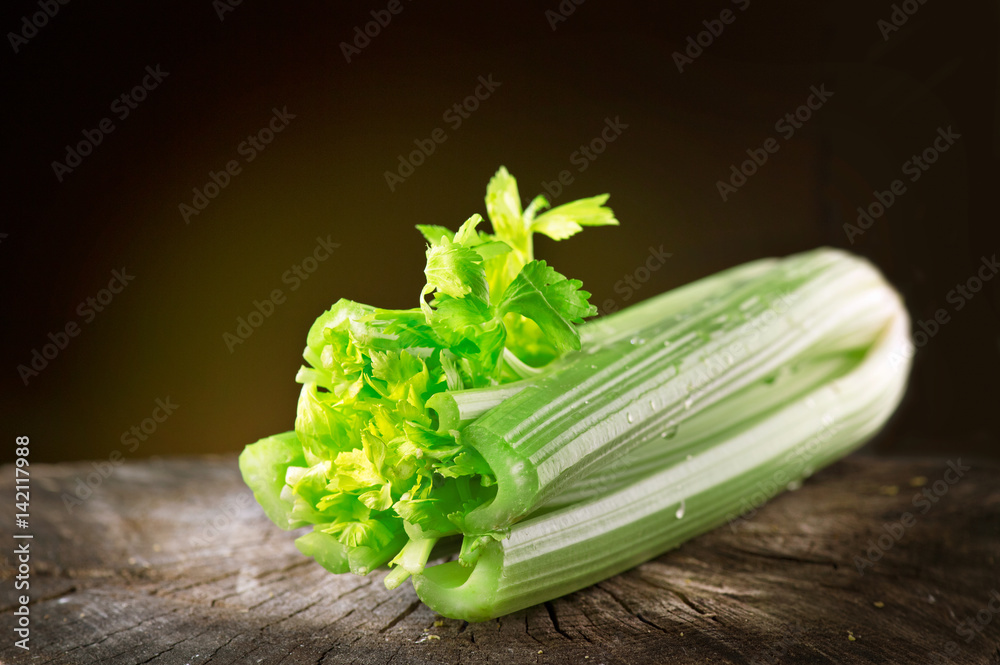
(460, 592)
(517, 482)
(396, 577)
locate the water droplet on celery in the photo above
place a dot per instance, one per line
(666, 342)
(652, 404)
(670, 432)
(688, 403)
(680, 510)
(637, 340)
(593, 367)
(628, 416)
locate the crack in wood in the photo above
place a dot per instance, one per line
(789, 558)
(169, 648)
(656, 581)
(402, 615)
(638, 615)
(322, 656)
(550, 608)
(394, 654)
(194, 585)
(528, 632)
(223, 646)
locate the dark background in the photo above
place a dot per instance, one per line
(324, 176)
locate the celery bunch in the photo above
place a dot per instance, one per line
(558, 453)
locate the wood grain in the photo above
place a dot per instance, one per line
(171, 562)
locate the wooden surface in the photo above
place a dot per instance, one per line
(171, 562)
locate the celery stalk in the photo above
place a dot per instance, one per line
(624, 322)
(711, 426)
(606, 401)
(458, 408)
(567, 549)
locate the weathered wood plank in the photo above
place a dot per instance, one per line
(171, 562)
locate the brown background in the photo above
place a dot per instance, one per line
(162, 337)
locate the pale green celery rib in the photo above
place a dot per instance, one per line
(825, 362)
(458, 408)
(712, 425)
(626, 321)
(575, 419)
(565, 550)
(415, 553)
(518, 366)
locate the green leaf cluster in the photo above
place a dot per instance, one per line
(374, 468)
